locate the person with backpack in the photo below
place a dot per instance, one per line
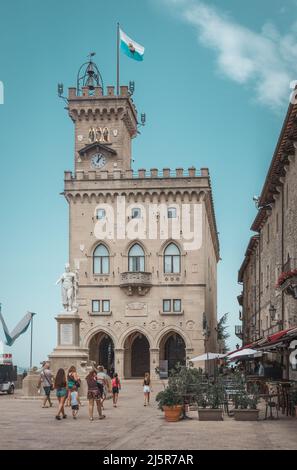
(116, 387)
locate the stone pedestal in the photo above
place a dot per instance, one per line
(154, 363)
(68, 351)
(30, 383)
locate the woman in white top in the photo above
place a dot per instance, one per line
(147, 388)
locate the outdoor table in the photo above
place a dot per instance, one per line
(269, 397)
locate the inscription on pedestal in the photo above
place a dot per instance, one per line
(66, 334)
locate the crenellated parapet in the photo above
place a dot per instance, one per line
(142, 174)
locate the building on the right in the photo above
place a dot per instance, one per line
(268, 273)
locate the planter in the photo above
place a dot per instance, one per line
(172, 413)
(210, 414)
(246, 415)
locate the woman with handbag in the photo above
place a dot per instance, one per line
(46, 379)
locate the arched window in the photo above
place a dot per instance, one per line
(171, 259)
(101, 260)
(136, 259)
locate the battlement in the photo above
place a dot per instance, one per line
(97, 93)
(153, 173)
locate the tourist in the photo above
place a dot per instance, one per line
(74, 400)
(94, 395)
(46, 379)
(102, 383)
(116, 386)
(61, 392)
(147, 388)
(72, 380)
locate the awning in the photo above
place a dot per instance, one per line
(207, 357)
(243, 353)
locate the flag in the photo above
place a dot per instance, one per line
(20, 328)
(131, 48)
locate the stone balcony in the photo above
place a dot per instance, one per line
(136, 282)
(238, 331)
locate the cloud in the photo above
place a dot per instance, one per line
(265, 60)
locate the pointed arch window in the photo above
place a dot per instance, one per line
(101, 260)
(136, 259)
(172, 259)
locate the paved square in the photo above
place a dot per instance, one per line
(25, 425)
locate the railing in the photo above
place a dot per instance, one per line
(136, 279)
(238, 331)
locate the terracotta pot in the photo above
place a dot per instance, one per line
(210, 414)
(172, 413)
(246, 415)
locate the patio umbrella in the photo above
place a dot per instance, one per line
(207, 357)
(242, 353)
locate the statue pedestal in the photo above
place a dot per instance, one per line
(30, 383)
(68, 351)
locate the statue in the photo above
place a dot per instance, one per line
(69, 283)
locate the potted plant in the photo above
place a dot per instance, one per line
(245, 404)
(210, 402)
(171, 403)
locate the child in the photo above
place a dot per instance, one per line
(116, 386)
(74, 401)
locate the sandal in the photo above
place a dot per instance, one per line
(91, 419)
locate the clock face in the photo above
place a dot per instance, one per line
(98, 160)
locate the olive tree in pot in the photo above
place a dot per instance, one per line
(210, 401)
(245, 404)
(171, 403)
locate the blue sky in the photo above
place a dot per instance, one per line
(214, 85)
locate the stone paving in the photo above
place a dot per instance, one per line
(25, 425)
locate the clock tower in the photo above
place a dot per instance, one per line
(139, 291)
(105, 124)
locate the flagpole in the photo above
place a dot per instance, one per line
(118, 59)
(31, 340)
(31, 344)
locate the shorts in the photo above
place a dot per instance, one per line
(61, 392)
(94, 395)
(146, 389)
(47, 391)
(115, 389)
(74, 407)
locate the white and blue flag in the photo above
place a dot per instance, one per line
(130, 47)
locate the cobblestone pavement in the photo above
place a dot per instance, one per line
(25, 425)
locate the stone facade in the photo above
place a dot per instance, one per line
(273, 250)
(124, 322)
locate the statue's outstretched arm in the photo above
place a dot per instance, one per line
(59, 280)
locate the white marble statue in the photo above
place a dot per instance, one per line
(69, 283)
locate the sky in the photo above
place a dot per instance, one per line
(214, 84)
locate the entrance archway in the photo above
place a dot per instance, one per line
(137, 355)
(172, 351)
(101, 351)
